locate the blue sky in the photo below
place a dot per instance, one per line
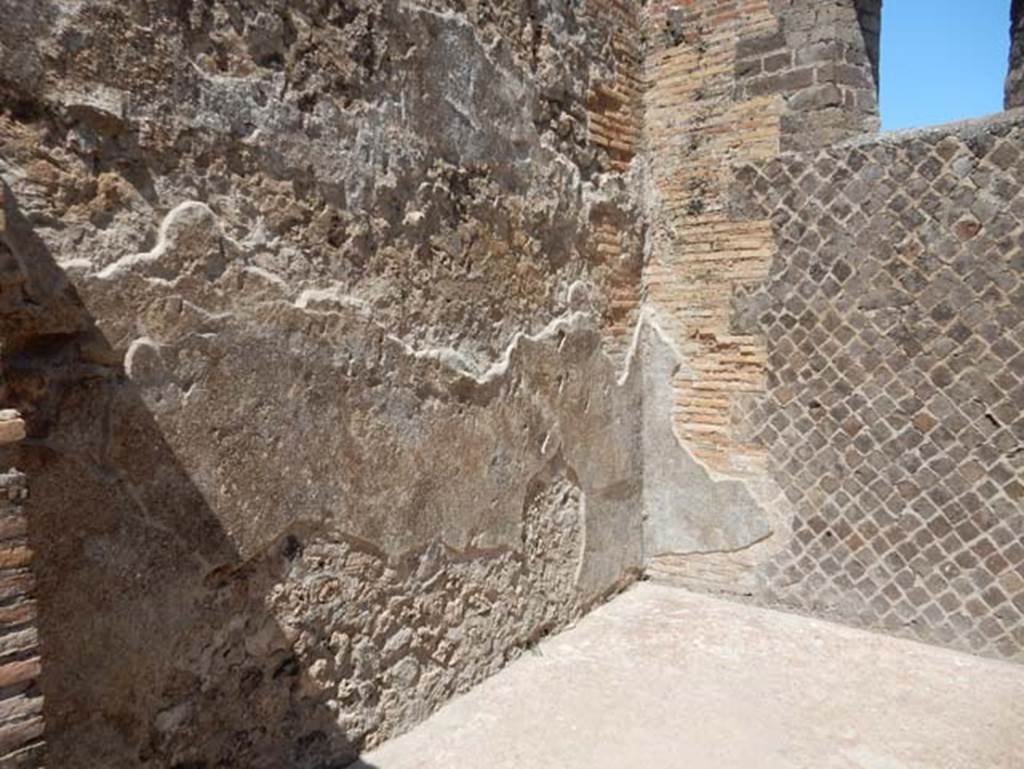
(942, 60)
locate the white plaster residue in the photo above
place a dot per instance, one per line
(189, 217)
(331, 299)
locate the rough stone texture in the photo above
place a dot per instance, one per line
(265, 480)
(317, 314)
(340, 145)
(1015, 77)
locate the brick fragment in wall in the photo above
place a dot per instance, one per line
(614, 123)
(894, 320)
(12, 426)
(21, 722)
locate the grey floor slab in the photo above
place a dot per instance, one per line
(662, 678)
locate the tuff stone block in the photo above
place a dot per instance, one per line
(946, 498)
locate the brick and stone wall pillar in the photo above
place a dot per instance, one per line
(731, 82)
(823, 59)
(21, 705)
(1015, 78)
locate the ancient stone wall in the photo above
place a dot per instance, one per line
(894, 321)
(728, 82)
(361, 345)
(319, 316)
(846, 317)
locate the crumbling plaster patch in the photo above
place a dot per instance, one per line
(687, 507)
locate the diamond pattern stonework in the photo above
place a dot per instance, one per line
(894, 412)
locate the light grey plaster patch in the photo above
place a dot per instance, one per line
(686, 509)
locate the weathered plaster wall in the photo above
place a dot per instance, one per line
(343, 384)
(318, 316)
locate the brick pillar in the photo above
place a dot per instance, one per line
(823, 59)
(1015, 78)
(21, 705)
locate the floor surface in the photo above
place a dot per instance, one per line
(661, 678)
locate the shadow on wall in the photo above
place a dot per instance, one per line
(121, 533)
(869, 19)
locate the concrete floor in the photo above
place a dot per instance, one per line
(665, 679)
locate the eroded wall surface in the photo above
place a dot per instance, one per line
(362, 345)
(318, 316)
